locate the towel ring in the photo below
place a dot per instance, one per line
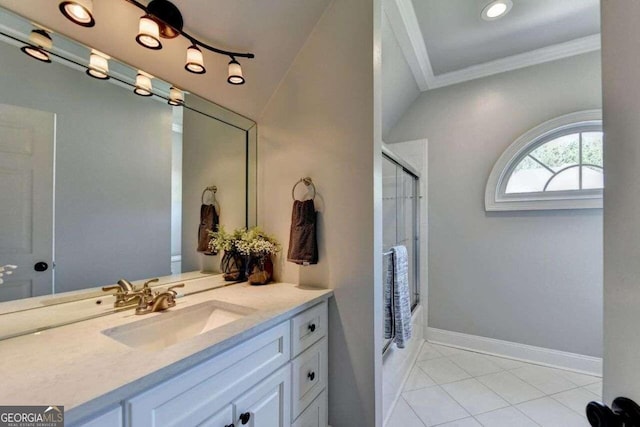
(213, 189)
(306, 181)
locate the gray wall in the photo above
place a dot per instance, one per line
(113, 171)
(621, 92)
(399, 88)
(527, 277)
(320, 123)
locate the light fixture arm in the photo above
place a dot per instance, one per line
(192, 39)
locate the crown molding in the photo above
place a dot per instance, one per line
(515, 62)
(406, 28)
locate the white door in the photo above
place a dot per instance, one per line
(267, 404)
(27, 140)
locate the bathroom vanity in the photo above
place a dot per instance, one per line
(231, 356)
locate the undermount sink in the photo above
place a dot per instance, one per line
(170, 327)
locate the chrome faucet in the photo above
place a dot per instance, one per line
(150, 302)
(126, 294)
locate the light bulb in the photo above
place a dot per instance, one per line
(149, 33)
(175, 97)
(143, 84)
(78, 11)
(40, 40)
(496, 9)
(195, 60)
(98, 65)
(235, 73)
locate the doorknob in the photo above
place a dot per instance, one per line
(623, 412)
(41, 266)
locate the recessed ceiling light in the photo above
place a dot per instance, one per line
(496, 9)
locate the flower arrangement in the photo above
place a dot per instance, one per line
(246, 253)
(255, 242)
(251, 242)
(6, 270)
(221, 240)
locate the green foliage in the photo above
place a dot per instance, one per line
(564, 151)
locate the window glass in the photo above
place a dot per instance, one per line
(566, 163)
(529, 176)
(592, 148)
(567, 179)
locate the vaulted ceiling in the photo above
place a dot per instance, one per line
(274, 30)
(447, 42)
(437, 43)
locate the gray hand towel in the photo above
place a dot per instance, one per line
(388, 296)
(209, 221)
(401, 297)
(303, 245)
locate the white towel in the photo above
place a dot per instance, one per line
(401, 296)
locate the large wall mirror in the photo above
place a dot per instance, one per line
(98, 183)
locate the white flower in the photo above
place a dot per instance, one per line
(6, 270)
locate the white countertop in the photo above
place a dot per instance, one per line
(79, 367)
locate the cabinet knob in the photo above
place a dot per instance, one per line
(41, 266)
(311, 375)
(312, 327)
(244, 418)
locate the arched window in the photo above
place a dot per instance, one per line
(556, 165)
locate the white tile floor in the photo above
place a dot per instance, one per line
(449, 387)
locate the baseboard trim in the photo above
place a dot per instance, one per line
(413, 361)
(526, 353)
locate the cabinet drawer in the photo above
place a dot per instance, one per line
(315, 415)
(308, 327)
(203, 391)
(308, 376)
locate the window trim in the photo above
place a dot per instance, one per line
(497, 200)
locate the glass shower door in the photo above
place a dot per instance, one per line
(400, 197)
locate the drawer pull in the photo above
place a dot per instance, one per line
(312, 327)
(230, 425)
(244, 418)
(311, 375)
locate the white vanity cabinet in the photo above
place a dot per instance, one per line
(275, 379)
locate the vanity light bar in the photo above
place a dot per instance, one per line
(98, 66)
(161, 19)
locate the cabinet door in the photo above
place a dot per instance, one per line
(223, 418)
(198, 394)
(268, 404)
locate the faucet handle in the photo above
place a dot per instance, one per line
(116, 288)
(146, 284)
(171, 288)
(125, 285)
